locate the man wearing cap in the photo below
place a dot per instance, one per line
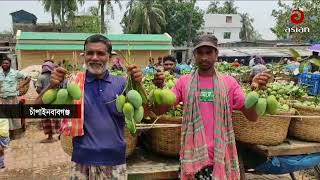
(50, 126)
(208, 148)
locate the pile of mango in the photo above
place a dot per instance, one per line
(309, 102)
(264, 105)
(62, 96)
(131, 106)
(283, 91)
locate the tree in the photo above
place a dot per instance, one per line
(48, 7)
(228, 7)
(311, 10)
(178, 14)
(62, 9)
(110, 11)
(144, 17)
(87, 23)
(247, 32)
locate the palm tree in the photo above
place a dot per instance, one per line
(229, 7)
(107, 4)
(61, 8)
(144, 17)
(213, 7)
(48, 7)
(247, 30)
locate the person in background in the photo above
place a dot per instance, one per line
(258, 68)
(236, 63)
(159, 63)
(49, 126)
(9, 92)
(251, 62)
(4, 139)
(242, 62)
(117, 62)
(169, 64)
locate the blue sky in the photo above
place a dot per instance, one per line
(260, 10)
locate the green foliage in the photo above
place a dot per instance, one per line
(85, 24)
(144, 17)
(228, 7)
(108, 6)
(178, 15)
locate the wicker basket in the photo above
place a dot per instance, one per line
(307, 129)
(131, 141)
(165, 141)
(267, 130)
(23, 86)
(66, 143)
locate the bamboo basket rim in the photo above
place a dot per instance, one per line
(267, 130)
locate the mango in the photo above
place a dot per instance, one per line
(74, 90)
(120, 101)
(261, 106)
(168, 97)
(157, 96)
(62, 96)
(285, 107)
(170, 84)
(131, 126)
(151, 97)
(251, 99)
(128, 110)
(69, 100)
(138, 114)
(272, 105)
(49, 96)
(134, 98)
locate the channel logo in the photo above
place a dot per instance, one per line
(297, 16)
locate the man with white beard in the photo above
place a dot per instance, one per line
(98, 139)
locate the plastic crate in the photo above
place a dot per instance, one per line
(312, 81)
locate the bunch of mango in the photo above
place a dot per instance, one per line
(62, 96)
(162, 97)
(262, 105)
(131, 106)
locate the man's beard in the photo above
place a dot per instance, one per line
(96, 68)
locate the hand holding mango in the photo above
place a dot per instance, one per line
(159, 79)
(57, 77)
(135, 72)
(260, 80)
(61, 96)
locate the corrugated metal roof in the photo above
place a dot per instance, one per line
(83, 36)
(80, 47)
(269, 51)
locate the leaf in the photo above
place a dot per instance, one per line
(315, 61)
(294, 54)
(301, 67)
